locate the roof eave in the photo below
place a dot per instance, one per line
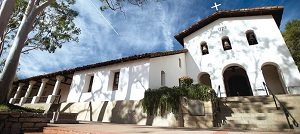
(275, 11)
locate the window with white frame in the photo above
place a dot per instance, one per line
(90, 83)
(116, 81)
(162, 78)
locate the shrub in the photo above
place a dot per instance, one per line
(185, 81)
(14, 108)
(163, 100)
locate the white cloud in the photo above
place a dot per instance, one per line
(141, 30)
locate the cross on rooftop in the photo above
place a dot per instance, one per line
(216, 6)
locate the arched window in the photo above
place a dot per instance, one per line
(204, 48)
(251, 37)
(226, 43)
(162, 78)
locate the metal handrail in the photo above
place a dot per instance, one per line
(283, 107)
(218, 97)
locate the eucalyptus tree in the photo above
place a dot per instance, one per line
(6, 10)
(50, 24)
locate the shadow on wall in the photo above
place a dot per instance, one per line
(102, 111)
(126, 112)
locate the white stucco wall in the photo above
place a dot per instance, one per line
(271, 48)
(170, 65)
(133, 81)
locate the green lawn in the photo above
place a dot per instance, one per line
(14, 108)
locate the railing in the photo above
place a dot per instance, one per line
(28, 100)
(43, 99)
(216, 106)
(282, 107)
(17, 100)
(218, 98)
(56, 100)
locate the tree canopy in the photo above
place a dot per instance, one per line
(291, 35)
(53, 27)
(38, 24)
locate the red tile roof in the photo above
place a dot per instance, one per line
(275, 11)
(106, 63)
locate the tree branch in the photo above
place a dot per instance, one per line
(26, 51)
(29, 8)
(41, 7)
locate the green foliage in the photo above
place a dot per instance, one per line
(292, 39)
(164, 100)
(53, 27)
(185, 81)
(13, 108)
(118, 4)
(200, 92)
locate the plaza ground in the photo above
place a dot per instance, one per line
(109, 128)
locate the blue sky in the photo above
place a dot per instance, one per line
(141, 30)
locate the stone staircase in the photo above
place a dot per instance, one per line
(256, 112)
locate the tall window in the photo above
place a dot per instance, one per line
(179, 62)
(162, 78)
(116, 81)
(204, 48)
(91, 83)
(226, 43)
(251, 37)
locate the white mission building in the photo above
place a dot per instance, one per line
(233, 51)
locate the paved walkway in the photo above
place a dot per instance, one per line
(108, 128)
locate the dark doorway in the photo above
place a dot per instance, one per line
(237, 82)
(205, 79)
(273, 79)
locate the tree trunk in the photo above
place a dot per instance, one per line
(6, 10)
(12, 61)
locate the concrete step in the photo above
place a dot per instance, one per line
(264, 127)
(256, 122)
(248, 98)
(228, 110)
(248, 104)
(257, 112)
(258, 115)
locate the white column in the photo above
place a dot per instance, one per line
(51, 98)
(57, 84)
(23, 99)
(35, 99)
(12, 100)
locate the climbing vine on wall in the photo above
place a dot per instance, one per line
(165, 100)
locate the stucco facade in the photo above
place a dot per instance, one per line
(271, 49)
(133, 81)
(135, 78)
(95, 94)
